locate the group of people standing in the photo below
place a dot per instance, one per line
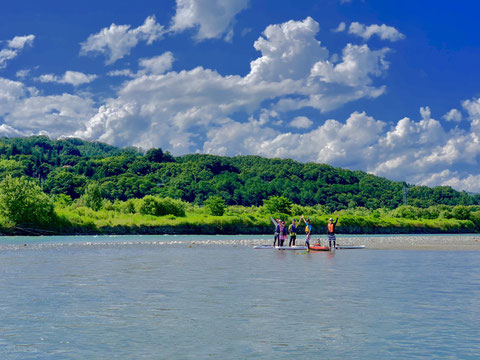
(282, 231)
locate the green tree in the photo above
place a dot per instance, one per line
(63, 181)
(461, 212)
(92, 196)
(22, 202)
(215, 205)
(151, 205)
(62, 200)
(277, 204)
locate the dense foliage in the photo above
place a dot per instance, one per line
(143, 216)
(215, 205)
(70, 166)
(22, 202)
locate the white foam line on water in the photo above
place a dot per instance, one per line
(187, 243)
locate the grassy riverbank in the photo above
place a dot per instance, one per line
(74, 219)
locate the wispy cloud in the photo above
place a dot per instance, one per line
(211, 18)
(148, 66)
(116, 41)
(74, 78)
(14, 47)
(341, 27)
(383, 31)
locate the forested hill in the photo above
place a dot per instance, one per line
(67, 166)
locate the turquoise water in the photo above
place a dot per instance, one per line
(217, 298)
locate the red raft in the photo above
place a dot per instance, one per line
(317, 247)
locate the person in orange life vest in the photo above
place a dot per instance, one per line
(331, 232)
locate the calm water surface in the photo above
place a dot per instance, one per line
(174, 298)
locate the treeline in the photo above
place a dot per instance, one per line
(69, 166)
(25, 208)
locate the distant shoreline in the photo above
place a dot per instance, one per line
(208, 229)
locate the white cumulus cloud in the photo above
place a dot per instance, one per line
(453, 115)
(116, 41)
(10, 93)
(383, 31)
(211, 18)
(301, 122)
(358, 63)
(425, 113)
(289, 51)
(473, 108)
(190, 104)
(157, 64)
(55, 115)
(24, 112)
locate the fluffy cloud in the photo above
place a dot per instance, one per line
(425, 113)
(289, 51)
(19, 42)
(341, 27)
(148, 66)
(178, 104)
(24, 112)
(333, 142)
(22, 73)
(383, 31)
(14, 47)
(202, 110)
(192, 105)
(301, 122)
(157, 64)
(466, 182)
(211, 18)
(74, 78)
(122, 72)
(10, 93)
(54, 115)
(359, 62)
(453, 115)
(473, 108)
(9, 131)
(116, 41)
(235, 138)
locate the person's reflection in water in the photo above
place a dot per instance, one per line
(331, 254)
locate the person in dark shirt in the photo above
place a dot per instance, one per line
(292, 230)
(276, 236)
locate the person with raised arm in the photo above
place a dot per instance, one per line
(276, 235)
(292, 230)
(308, 230)
(331, 232)
(283, 233)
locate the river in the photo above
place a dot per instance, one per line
(190, 297)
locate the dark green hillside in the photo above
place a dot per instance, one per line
(66, 166)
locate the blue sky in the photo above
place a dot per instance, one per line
(387, 87)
